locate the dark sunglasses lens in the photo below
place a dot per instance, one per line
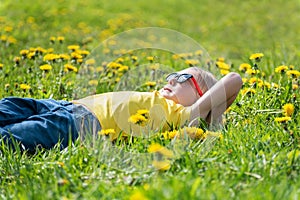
(171, 76)
(183, 77)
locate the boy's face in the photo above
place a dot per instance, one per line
(182, 93)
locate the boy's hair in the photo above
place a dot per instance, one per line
(205, 79)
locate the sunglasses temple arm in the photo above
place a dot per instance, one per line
(197, 86)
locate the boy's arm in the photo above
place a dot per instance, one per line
(217, 99)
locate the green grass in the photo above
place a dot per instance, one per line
(257, 157)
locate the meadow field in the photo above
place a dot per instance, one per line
(69, 49)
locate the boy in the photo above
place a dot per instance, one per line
(188, 95)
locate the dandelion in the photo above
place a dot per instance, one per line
(45, 67)
(288, 109)
(60, 39)
(93, 82)
(248, 91)
(90, 62)
(17, 60)
(163, 165)
(295, 86)
(224, 72)
(134, 58)
(281, 69)
(24, 86)
(51, 57)
(198, 53)
(221, 59)
(193, 132)
(52, 39)
(192, 62)
(24, 53)
(168, 135)
(143, 112)
(222, 65)
(256, 57)
(73, 47)
(244, 67)
(252, 71)
(69, 67)
(282, 119)
(293, 73)
(150, 58)
(138, 195)
(161, 150)
(123, 68)
(107, 132)
(64, 57)
(8, 29)
(138, 119)
(256, 80)
(1, 65)
(150, 83)
(154, 66)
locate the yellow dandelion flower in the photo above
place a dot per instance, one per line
(281, 69)
(170, 134)
(123, 68)
(150, 58)
(221, 59)
(252, 71)
(150, 83)
(76, 56)
(245, 80)
(73, 47)
(93, 82)
(244, 67)
(193, 132)
(138, 195)
(222, 65)
(107, 132)
(24, 86)
(161, 150)
(52, 39)
(51, 57)
(120, 60)
(248, 91)
(8, 28)
(191, 62)
(24, 52)
(295, 86)
(1, 65)
(175, 56)
(11, 40)
(90, 62)
(134, 58)
(99, 69)
(198, 52)
(293, 73)
(154, 66)
(3, 38)
(256, 80)
(283, 119)
(256, 56)
(64, 56)
(69, 67)
(224, 71)
(45, 67)
(288, 109)
(60, 39)
(155, 147)
(143, 112)
(17, 60)
(274, 85)
(138, 119)
(163, 165)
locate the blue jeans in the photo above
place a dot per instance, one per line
(45, 122)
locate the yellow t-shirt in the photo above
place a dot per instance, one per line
(114, 109)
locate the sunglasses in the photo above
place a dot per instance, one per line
(180, 78)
